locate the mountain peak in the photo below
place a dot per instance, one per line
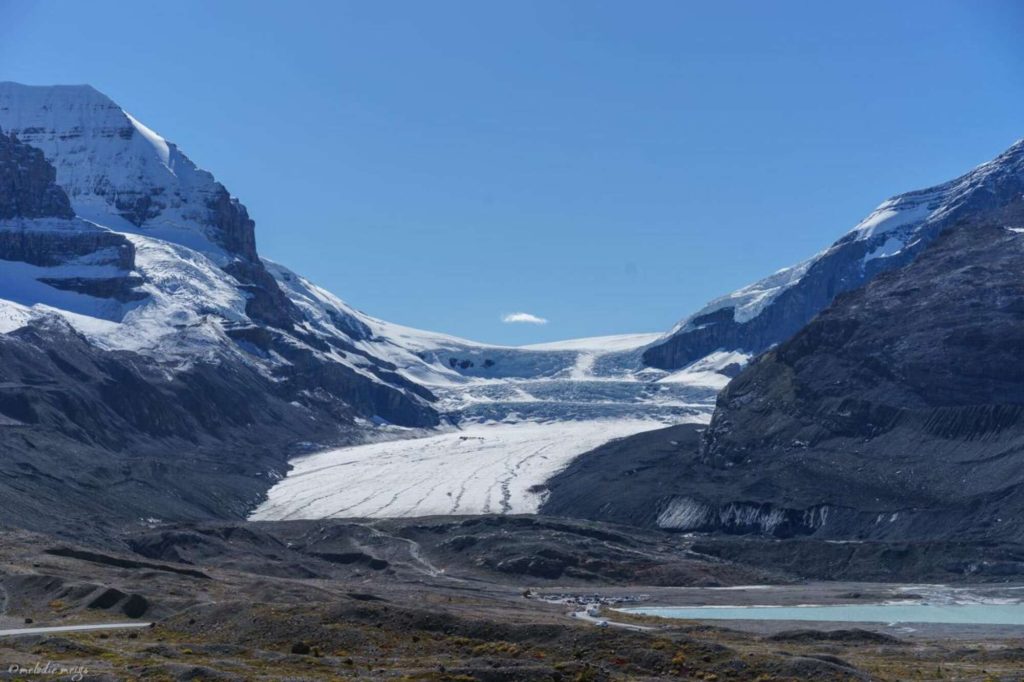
(121, 174)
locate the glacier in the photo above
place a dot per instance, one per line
(172, 274)
(488, 468)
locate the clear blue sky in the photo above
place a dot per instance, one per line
(609, 166)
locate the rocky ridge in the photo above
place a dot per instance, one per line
(770, 311)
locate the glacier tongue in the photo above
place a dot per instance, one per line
(487, 468)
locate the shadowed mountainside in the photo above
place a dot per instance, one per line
(896, 414)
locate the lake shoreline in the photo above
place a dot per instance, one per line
(820, 594)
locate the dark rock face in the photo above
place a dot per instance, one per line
(28, 187)
(991, 192)
(231, 220)
(118, 288)
(626, 481)
(267, 303)
(47, 248)
(394, 397)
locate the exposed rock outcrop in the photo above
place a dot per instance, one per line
(37, 244)
(903, 401)
(27, 184)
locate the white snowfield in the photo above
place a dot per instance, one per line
(604, 344)
(82, 132)
(482, 469)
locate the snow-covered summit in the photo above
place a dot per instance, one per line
(119, 173)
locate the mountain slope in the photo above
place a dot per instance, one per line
(600, 378)
(898, 412)
(120, 174)
(770, 311)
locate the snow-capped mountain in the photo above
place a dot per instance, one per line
(199, 288)
(49, 252)
(770, 311)
(201, 284)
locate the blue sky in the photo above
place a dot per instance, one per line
(606, 166)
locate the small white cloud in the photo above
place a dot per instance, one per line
(522, 318)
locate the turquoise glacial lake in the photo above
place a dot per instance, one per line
(983, 614)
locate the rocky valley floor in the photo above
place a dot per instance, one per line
(440, 598)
